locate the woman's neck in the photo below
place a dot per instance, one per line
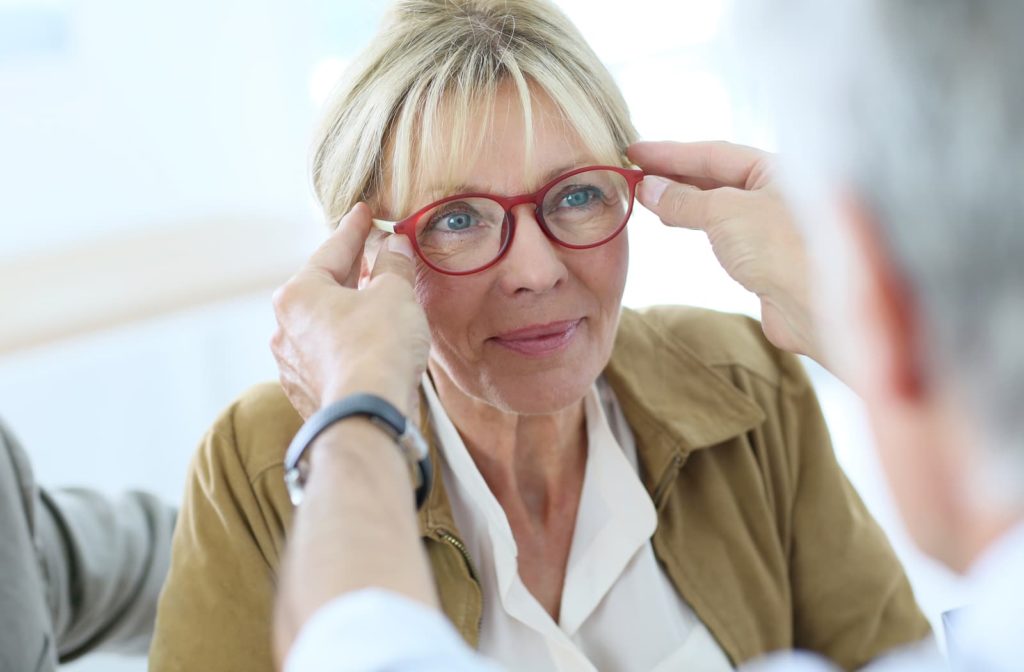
(534, 463)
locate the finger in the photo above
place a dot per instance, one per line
(395, 256)
(676, 204)
(288, 375)
(723, 163)
(277, 342)
(340, 253)
(294, 390)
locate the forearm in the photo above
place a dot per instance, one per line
(355, 529)
(106, 561)
(26, 632)
(79, 568)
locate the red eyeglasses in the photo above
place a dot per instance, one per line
(469, 233)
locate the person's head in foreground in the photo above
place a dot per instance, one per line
(617, 490)
(907, 164)
(905, 143)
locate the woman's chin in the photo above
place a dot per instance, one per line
(525, 386)
(538, 393)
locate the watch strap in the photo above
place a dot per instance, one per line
(379, 412)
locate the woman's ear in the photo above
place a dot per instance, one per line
(373, 244)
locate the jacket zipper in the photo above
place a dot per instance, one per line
(461, 548)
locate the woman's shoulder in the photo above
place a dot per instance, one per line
(218, 597)
(718, 340)
(255, 430)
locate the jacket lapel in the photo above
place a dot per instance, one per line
(674, 402)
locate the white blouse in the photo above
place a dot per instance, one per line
(619, 610)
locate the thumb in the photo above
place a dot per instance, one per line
(395, 257)
(677, 204)
(339, 255)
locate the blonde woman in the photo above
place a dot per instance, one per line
(616, 490)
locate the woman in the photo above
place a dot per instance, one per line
(618, 490)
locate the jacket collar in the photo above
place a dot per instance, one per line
(675, 404)
(435, 515)
(674, 401)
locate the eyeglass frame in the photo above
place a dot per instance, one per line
(407, 225)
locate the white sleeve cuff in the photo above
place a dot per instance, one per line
(374, 630)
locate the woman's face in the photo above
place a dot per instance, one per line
(532, 333)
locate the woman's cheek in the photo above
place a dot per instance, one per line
(606, 276)
(443, 310)
(621, 252)
(422, 284)
(427, 295)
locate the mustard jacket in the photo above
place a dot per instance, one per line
(758, 528)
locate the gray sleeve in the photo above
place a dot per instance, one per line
(106, 561)
(26, 632)
(79, 571)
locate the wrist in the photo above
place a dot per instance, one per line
(353, 440)
(383, 418)
(398, 396)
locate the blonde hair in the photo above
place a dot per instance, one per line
(430, 73)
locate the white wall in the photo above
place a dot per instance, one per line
(119, 117)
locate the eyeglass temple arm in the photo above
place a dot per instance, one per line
(384, 225)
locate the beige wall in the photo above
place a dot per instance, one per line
(66, 292)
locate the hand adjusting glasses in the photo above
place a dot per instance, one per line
(469, 233)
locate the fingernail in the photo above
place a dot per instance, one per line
(651, 189)
(400, 244)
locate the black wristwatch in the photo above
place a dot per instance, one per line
(380, 413)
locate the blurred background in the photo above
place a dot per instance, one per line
(154, 191)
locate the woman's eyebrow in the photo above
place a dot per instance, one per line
(443, 191)
(552, 174)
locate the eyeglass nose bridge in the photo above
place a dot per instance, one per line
(537, 200)
(509, 204)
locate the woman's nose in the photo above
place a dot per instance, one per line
(532, 263)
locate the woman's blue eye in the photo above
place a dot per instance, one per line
(458, 221)
(453, 222)
(581, 197)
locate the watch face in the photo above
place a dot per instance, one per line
(295, 482)
(413, 444)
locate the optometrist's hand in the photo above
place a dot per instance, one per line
(333, 339)
(728, 191)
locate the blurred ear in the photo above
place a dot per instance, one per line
(374, 242)
(884, 317)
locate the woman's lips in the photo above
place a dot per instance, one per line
(540, 340)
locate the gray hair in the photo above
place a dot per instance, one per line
(918, 107)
